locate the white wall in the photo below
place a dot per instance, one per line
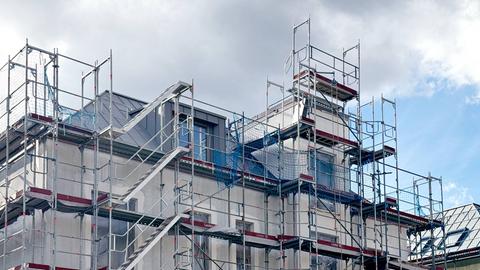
(70, 227)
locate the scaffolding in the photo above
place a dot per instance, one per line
(97, 180)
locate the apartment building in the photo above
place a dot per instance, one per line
(101, 180)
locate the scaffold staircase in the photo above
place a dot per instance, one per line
(170, 93)
(154, 170)
(150, 242)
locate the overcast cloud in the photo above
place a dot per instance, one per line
(229, 47)
(409, 49)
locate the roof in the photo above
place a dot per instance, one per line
(123, 109)
(462, 233)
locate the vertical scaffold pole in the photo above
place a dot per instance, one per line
(385, 225)
(443, 224)
(110, 162)
(7, 167)
(397, 183)
(192, 178)
(96, 141)
(243, 190)
(25, 130)
(55, 154)
(430, 202)
(177, 191)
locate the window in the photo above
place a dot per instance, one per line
(320, 262)
(423, 246)
(122, 238)
(322, 167)
(244, 226)
(455, 238)
(201, 246)
(201, 136)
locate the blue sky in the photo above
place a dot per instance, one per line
(437, 134)
(423, 53)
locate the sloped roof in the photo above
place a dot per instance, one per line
(123, 109)
(462, 233)
(464, 218)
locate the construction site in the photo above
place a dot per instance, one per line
(92, 178)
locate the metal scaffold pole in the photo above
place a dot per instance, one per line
(442, 213)
(96, 143)
(110, 160)
(430, 202)
(25, 156)
(55, 155)
(177, 190)
(192, 168)
(7, 167)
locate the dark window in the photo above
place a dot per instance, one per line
(123, 237)
(320, 262)
(455, 238)
(322, 167)
(244, 226)
(423, 246)
(201, 246)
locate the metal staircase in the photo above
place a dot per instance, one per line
(171, 92)
(150, 242)
(154, 170)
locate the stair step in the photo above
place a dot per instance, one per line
(171, 92)
(175, 153)
(161, 229)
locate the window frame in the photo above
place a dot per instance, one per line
(322, 204)
(322, 258)
(464, 233)
(313, 169)
(425, 244)
(103, 224)
(247, 226)
(184, 134)
(199, 240)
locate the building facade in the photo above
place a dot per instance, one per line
(113, 182)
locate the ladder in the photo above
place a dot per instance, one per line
(154, 170)
(150, 242)
(171, 92)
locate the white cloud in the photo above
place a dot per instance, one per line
(229, 48)
(456, 195)
(407, 42)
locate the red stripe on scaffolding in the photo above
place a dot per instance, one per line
(200, 162)
(45, 267)
(306, 177)
(335, 138)
(308, 120)
(261, 235)
(408, 215)
(41, 117)
(347, 92)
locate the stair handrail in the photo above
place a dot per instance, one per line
(144, 214)
(147, 142)
(137, 237)
(174, 133)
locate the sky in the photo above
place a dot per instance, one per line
(423, 54)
